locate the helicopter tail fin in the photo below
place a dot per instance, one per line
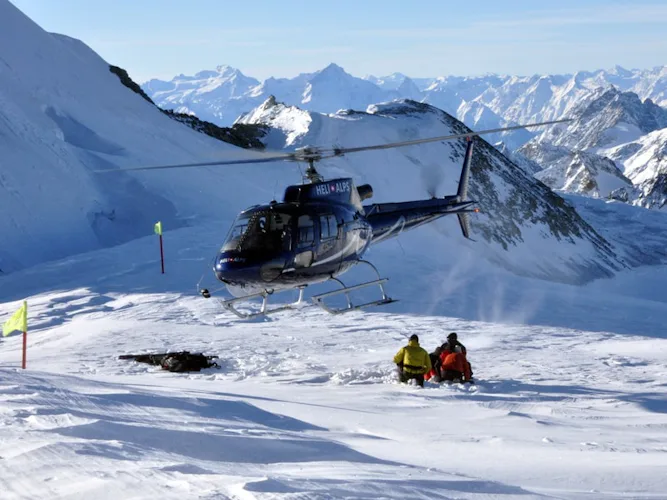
(462, 193)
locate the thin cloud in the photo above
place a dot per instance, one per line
(613, 14)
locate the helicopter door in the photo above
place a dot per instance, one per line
(329, 248)
(304, 241)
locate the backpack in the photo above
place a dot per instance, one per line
(175, 361)
(186, 362)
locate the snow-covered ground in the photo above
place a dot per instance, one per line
(569, 404)
(572, 381)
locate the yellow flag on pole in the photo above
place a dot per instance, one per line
(158, 228)
(19, 321)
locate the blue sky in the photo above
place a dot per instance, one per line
(163, 38)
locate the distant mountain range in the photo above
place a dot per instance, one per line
(610, 108)
(614, 141)
(222, 95)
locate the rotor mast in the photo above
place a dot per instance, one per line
(311, 173)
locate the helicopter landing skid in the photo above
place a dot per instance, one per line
(263, 311)
(319, 299)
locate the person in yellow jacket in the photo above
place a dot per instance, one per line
(413, 361)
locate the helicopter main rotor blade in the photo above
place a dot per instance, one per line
(343, 151)
(266, 159)
(313, 154)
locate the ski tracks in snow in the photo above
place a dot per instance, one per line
(306, 405)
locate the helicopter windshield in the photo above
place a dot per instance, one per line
(259, 231)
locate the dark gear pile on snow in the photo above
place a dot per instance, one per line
(175, 361)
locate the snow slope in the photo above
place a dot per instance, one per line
(63, 114)
(477, 116)
(569, 405)
(570, 401)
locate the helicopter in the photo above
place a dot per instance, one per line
(321, 229)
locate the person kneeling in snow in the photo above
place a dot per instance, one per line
(413, 361)
(452, 363)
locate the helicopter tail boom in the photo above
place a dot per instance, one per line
(390, 219)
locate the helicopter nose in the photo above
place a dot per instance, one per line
(234, 270)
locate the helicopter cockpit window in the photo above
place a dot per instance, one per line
(328, 227)
(238, 230)
(306, 229)
(265, 231)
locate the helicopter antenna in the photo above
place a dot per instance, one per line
(275, 188)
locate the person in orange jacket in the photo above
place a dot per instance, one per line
(454, 365)
(451, 362)
(413, 361)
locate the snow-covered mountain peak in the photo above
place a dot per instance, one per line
(389, 82)
(608, 118)
(226, 70)
(618, 70)
(403, 107)
(582, 79)
(332, 71)
(408, 89)
(287, 123)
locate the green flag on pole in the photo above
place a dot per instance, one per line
(19, 321)
(158, 228)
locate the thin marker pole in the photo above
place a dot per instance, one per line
(25, 334)
(25, 349)
(161, 254)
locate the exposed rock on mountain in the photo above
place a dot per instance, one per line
(645, 164)
(608, 119)
(584, 173)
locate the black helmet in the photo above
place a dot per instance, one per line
(414, 337)
(452, 336)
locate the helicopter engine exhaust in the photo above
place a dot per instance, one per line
(365, 191)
